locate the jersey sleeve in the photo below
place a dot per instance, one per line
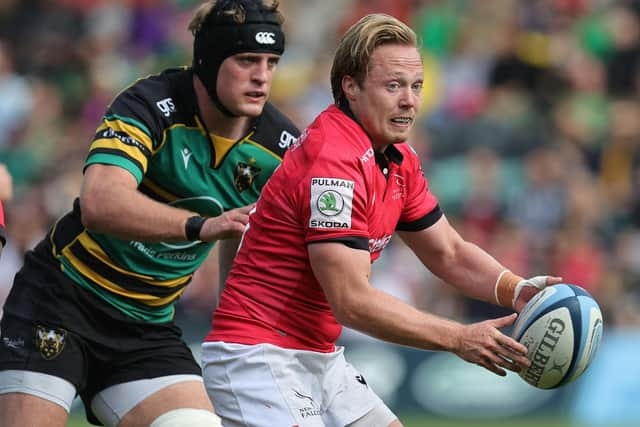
(128, 135)
(421, 209)
(334, 197)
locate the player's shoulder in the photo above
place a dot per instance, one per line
(168, 96)
(165, 83)
(274, 130)
(343, 138)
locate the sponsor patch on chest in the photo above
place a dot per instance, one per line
(331, 203)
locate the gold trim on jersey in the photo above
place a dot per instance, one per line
(147, 299)
(54, 247)
(130, 130)
(107, 284)
(222, 146)
(263, 148)
(84, 242)
(200, 125)
(96, 251)
(159, 191)
(115, 144)
(166, 131)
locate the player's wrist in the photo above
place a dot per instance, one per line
(193, 227)
(505, 288)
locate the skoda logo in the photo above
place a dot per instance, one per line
(330, 203)
(264, 37)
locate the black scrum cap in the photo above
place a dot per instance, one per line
(221, 37)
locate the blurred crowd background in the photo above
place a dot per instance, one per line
(529, 130)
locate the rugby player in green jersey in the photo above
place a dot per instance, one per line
(175, 165)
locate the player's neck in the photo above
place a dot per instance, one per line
(222, 125)
(215, 120)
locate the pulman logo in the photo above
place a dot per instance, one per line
(331, 202)
(265, 37)
(166, 106)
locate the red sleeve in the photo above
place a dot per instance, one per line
(334, 197)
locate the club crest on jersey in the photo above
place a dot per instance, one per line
(244, 176)
(50, 342)
(331, 203)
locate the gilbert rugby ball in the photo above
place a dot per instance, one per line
(561, 328)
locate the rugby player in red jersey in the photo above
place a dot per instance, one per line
(302, 271)
(175, 165)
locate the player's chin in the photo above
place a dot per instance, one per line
(398, 137)
(253, 109)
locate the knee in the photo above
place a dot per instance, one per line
(187, 417)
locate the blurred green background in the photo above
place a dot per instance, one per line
(529, 135)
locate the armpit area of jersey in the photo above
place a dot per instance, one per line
(425, 222)
(350, 241)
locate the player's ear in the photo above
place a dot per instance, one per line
(350, 87)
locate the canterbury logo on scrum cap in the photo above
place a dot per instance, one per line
(265, 37)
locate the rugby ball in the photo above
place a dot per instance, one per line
(561, 327)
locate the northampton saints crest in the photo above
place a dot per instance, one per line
(244, 176)
(50, 341)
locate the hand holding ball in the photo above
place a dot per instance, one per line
(562, 328)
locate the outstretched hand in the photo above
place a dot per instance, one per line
(483, 344)
(229, 225)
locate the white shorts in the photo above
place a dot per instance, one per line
(265, 385)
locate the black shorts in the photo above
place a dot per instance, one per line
(56, 327)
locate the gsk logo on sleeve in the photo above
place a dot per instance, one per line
(286, 139)
(331, 203)
(166, 106)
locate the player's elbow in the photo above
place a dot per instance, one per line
(349, 312)
(443, 258)
(91, 210)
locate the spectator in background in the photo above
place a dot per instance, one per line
(175, 165)
(16, 99)
(303, 269)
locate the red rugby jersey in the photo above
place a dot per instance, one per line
(330, 186)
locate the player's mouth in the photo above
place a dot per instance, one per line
(402, 121)
(256, 96)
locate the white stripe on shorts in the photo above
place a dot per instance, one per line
(54, 389)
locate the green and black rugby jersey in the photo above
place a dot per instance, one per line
(153, 130)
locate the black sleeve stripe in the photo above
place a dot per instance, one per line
(425, 222)
(118, 153)
(3, 236)
(350, 241)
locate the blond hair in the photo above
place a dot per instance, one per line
(358, 43)
(236, 11)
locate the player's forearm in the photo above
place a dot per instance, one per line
(385, 317)
(471, 270)
(128, 214)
